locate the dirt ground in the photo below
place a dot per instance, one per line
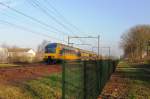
(27, 72)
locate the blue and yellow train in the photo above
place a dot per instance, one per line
(57, 52)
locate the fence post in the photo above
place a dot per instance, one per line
(98, 76)
(110, 68)
(101, 73)
(85, 89)
(63, 79)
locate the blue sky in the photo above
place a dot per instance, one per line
(107, 18)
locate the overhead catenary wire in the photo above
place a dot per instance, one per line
(31, 18)
(44, 28)
(29, 30)
(36, 3)
(62, 17)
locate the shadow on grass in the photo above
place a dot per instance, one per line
(146, 66)
(135, 72)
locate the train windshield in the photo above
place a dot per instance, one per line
(51, 48)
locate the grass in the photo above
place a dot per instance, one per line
(8, 65)
(124, 64)
(128, 82)
(134, 73)
(139, 81)
(45, 88)
(13, 92)
(74, 79)
(139, 84)
(139, 90)
(49, 87)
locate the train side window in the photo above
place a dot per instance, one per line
(78, 53)
(61, 51)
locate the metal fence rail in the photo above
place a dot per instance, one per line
(85, 79)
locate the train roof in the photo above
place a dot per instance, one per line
(86, 51)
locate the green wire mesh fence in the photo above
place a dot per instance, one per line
(85, 79)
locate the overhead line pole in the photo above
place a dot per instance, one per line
(98, 43)
(87, 37)
(109, 50)
(68, 40)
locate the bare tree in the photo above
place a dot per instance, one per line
(134, 41)
(40, 51)
(4, 45)
(41, 47)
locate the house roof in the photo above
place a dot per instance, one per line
(18, 49)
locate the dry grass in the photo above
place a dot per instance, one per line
(8, 65)
(12, 92)
(45, 88)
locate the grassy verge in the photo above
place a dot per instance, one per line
(139, 90)
(138, 83)
(128, 82)
(13, 92)
(124, 64)
(45, 88)
(8, 65)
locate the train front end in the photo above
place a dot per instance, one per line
(50, 55)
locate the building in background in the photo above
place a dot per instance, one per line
(21, 54)
(3, 55)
